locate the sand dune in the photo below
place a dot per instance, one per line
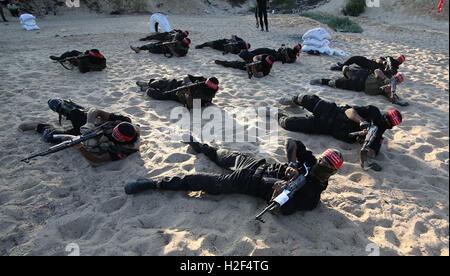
(60, 199)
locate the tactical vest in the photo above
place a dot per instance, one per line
(373, 84)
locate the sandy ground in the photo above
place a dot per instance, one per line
(60, 199)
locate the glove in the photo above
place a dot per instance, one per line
(85, 129)
(364, 125)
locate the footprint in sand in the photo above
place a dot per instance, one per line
(419, 228)
(117, 94)
(355, 177)
(75, 229)
(392, 238)
(178, 158)
(422, 150)
(113, 204)
(188, 167)
(436, 142)
(133, 110)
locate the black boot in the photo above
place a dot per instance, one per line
(140, 185)
(189, 139)
(219, 62)
(337, 67)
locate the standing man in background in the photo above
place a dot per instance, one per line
(261, 10)
(51, 7)
(2, 3)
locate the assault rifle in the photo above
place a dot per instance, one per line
(370, 137)
(70, 61)
(394, 98)
(97, 131)
(169, 43)
(187, 86)
(249, 66)
(292, 187)
(392, 84)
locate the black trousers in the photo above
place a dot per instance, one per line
(261, 11)
(243, 179)
(164, 37)
(216, 44)
(14, 12)
(1, 13)
(77, 117)
(327, 119)
(73, 53)
(363, 62)
(235, 64)
(156, 48)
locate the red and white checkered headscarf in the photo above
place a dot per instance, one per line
(335, 158)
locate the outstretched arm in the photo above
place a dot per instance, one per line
(380, 75)
(93, 159)
(353, 115)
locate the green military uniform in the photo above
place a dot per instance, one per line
(373, 85)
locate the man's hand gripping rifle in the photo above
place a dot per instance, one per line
(97, 131)
(249, 67)
(370, 135)
(393, 85)
(70, 62)
(292, 187)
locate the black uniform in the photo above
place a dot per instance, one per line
(78, 118)
(263, 67)
(233, 45)
(166, 36)
(279, 55)
(261, 11)
(158, 48)
(330, 119)
(372, 65)
(252, 177)
(161, 90)
(87, 62)
(1, 12)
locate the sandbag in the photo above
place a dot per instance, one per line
(316, 43)
(28, 22)
(159, 20)
(317, 33)
(325, 50)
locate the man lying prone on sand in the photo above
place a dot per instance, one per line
(388, 65)
(178, 48)
(90, 60)
(118, 140)
(283, 54)
(173, 35)
(185, 92)
(233, 45)
(255, 177)
(375, 83)
(340, 122)
(260, 67)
